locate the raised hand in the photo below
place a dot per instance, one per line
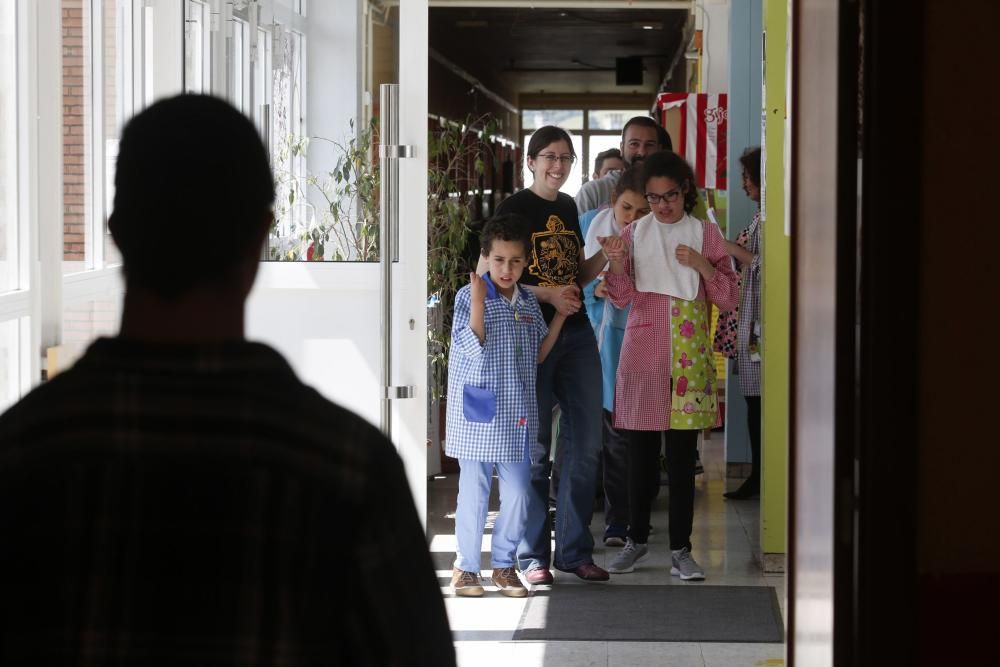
(613, 247)
(478, 288)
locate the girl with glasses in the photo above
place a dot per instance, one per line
(668, 266)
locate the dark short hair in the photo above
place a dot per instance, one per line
(193, 188)
(507, 227)
(604, 155)
(630, 179)
(664, 138)
(751, 162)
(546, 135)
(667, 164)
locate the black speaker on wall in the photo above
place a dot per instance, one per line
(628, 71)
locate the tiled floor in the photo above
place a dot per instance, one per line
(726, 539)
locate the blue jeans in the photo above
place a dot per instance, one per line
(474, 484)
(571, 376)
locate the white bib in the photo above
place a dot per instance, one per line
(654, 256)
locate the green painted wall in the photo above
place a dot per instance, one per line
(776, 259)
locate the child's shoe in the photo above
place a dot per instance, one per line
(507, 582)
(466, 584)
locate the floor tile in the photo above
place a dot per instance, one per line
(577, 654)
(654, 654)
(743, 655)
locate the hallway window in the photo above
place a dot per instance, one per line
(197, 48)
(8, 151)
(102, 42)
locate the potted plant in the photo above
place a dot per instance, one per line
(331, 215)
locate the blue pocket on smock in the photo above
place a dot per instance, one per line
(478, 404)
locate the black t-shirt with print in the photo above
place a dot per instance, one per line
(556, 242)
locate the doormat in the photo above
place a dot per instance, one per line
(678, 613)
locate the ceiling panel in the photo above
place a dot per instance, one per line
(558, 50)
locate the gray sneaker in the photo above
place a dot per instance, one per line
(685, 566)
(626, 559)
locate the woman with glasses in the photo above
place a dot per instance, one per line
(570, 375)
(668, 266)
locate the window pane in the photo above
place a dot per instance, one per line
(597, 144)
(76, 61)
(195, 48)
(8, 154)
(608, 119)
(567, 119)
(239, 65)
(303, 230)
(116, 55)
(575, 180)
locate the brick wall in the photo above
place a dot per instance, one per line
(74, 122)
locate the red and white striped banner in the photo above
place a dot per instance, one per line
(702, 140)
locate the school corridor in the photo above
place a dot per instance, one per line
(497, 630)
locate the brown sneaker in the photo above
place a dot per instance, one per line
(507, 582)
(466, 584)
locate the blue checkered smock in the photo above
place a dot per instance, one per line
(492, 409)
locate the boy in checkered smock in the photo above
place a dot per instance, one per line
(498, 339)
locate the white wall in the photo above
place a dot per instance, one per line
(715, 65)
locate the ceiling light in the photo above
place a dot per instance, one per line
(647, 25)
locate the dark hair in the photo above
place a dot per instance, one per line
(604, 155)
(507, 227)
(192, 172)
(546, 135)
(751, 162)
(631, 179)
(642, 121)
(664, 138)
(667, 164)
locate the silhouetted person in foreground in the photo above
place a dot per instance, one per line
(179, 496)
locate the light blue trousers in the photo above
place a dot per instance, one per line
(474, 484)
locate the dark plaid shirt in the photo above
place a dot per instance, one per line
(199, 505)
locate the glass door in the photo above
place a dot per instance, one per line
(308, 73)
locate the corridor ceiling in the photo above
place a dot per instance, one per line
(527, 50)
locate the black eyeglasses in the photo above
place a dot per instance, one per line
(552, 157)
(669, 197)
